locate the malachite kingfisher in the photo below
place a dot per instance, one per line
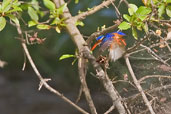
(114, 42)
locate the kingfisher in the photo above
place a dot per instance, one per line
(114, 42)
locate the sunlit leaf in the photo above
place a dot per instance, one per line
(56, 21)
(41, 13)
(168, 1)
(58, 29)
(127, 17)
(33, 14)
(14, 19)
(16, 9)
(6, 4)
(161, 10)
(168, 11)
(73, 62)
(79, 23)
(43, 26)
(35, 4)
(76, 1)
(2, 23)
(145, 27)
(134, 33)
(143, 12)
(61, 8)
(145, 2)
(49, 4)
(65, 56)
(124, 25)
(31, 23)
(132, 9)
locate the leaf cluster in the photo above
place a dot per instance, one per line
(139, 17)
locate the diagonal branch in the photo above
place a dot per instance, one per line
(83, 48)
(82, 74)
(93, 10)
(42, 80)
(95, 34)
(138, 85)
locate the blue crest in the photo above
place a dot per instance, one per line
(100, 37)
(120, 33)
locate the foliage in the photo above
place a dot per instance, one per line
(139, 17)
(47, 16)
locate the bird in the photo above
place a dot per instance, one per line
(114, 42)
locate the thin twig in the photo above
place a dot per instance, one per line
(104, 31)
(83, 48)
(42, 80)
(79, 94)
(24, 64)
(138, 85)
(153, 54)
(165, 41)
(110, 109)
(82, 73)
(133, 48)
(92, 10)
(153, 76)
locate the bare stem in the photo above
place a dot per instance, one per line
(43, 81)
(93, 10)
(82, 73)
(81, 45)
(138, 85)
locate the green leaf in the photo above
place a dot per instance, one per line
(16, 9)
(73, 62)
(132, 9)
(168, 1)
(33, 14)
(168, 11)
(14, 19)
(6, 5)
(49, 4)
(124, 25)
(79, 23)
(145, 27)
(139, 25)
(56, 21)
(2, 23)
(35, 4)
(134, 33)
(61, 9)
(76, 1)
(43, 26)
(143, 12)
(161, 10)
(58, 29)
(65, 56)
(31, 23)
(127, 17)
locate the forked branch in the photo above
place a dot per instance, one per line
(42, 80)
(138, 85)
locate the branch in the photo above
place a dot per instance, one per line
(43, 81)
(110, 109)
(153, 76)
(138, 85)
(83, 48)
(154, 55)
(93, 10)
(82, 74)
(131, 50)
(95, 34)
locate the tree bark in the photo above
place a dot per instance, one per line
(83, 48)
